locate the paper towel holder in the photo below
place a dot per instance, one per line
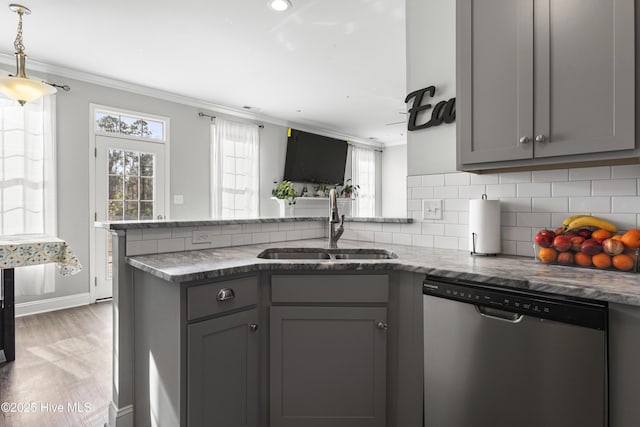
(473, 238)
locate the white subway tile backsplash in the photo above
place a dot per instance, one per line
(141, 247)
(445, 192)
(624, 221)
(221, 241)
(278, 236)
(367, 236)
(577, 188)
(508, 218)
(446, 242)
(625, 204)
(382, 237)
(414, 181)
(463, 217)
(516, 233)
(252, 228)
(457, 230)
(460, 178)
(508, 247)
(614, 187)
(294, 235)
(391, 228)
(471, 191)
(171, 245)
(599, 172)
(540, 189)
(589, 204)
(134, 234)
(262, 237)
(485, 179)
(422, 193)
(241, 239)
(269, 227)
(515, 177)
(156, 233)
(554, 175)
(401, 239)
(433, 229)
(550, 204)
(178, 232)
(456, 205)
(450, 217)
(413, 228)
(414, 205)
(433, 180)
(525, 249)
(515, 204)
(626, 171)
(533, 219)
(498, 191)
(422, 240)
(286, 226)
(463, 243)
(373, 226)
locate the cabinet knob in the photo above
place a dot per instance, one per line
(541, 138)
(382, 325)
(525, 140)
(253, 327)
(225, 294)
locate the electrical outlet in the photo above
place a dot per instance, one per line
(432, 209)
(201, 236)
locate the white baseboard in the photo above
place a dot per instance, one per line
(52, 304)
(120, 417)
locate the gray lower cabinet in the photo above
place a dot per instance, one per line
(222, 371)
(328, 360)
(534, 90)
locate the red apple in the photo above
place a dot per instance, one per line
(559, 230)
(591, 247)
(576, 242)
(570, 234)
(612, 247)
(584, 232)
(544, 238)
(565, 258)
(562, 243)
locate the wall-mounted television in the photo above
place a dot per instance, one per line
(315, 158)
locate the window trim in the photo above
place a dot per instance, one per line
(121, 112)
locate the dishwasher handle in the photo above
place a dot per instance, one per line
(494, 313)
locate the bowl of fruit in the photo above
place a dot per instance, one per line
(590, 242)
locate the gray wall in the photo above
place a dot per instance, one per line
(431, 53)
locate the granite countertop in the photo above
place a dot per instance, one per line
(515, 272)
(166, 223)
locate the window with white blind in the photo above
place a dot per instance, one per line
(235, 169)
(363, 173)
(28, 181)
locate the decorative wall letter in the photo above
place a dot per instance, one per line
(443, 112)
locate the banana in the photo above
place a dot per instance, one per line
(569, 219)
(591, 221)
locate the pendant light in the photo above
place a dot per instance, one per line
(20, 87)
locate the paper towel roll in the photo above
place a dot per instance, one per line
(484, 226)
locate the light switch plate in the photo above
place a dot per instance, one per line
(201, 236)
(432, 209)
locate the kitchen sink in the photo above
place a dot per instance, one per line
(326, 254)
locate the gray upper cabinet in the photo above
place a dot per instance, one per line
(544, 81)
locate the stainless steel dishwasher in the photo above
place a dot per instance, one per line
(498, 357)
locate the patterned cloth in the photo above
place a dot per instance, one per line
(31, 249)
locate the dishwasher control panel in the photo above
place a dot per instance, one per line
(581, 313)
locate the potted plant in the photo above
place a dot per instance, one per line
(285, 191)
(349, 190)
(320, 190)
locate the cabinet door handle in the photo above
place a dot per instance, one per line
(382, 325)
(225, 294)
(525, 140)
(541, 138)
(253, 327)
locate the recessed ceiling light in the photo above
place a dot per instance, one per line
(279, 5)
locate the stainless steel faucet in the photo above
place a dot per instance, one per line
(334, 218)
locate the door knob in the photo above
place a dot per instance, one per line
(541, 138)
(524, 140)
(253, 327)
(382, 325)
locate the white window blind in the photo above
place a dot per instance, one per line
(363, 164)
(235, 169)
(28, 182)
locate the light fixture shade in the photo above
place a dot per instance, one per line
(24, 89)
(280, 5)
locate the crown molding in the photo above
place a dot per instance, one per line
(83, 76)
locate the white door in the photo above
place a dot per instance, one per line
(129, 185)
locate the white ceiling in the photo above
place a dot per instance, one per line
(336, 65)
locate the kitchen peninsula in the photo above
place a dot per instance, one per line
(175, 290)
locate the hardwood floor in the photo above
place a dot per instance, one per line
(62, 373)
